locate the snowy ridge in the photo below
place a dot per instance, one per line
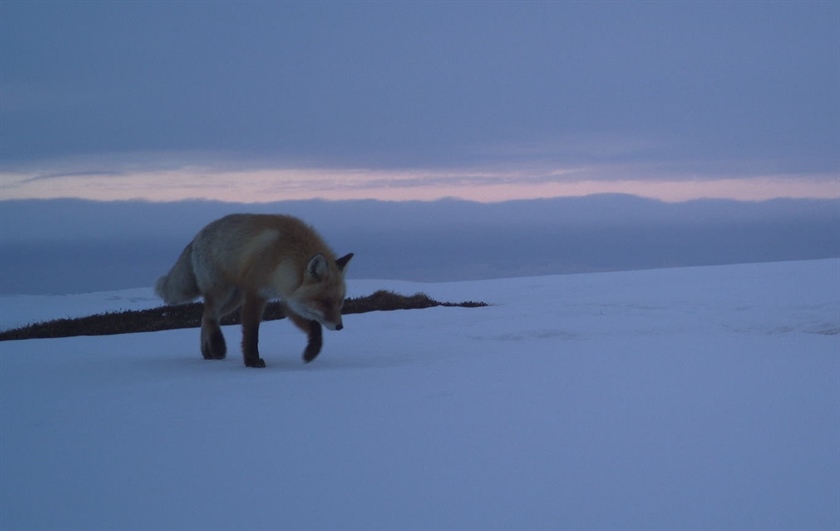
(665, 399)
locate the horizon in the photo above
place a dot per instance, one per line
(260, 205)
(266, 186)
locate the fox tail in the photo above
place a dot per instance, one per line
(179, 285)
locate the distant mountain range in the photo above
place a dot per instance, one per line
(72, 246)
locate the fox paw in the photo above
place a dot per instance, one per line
(257, 363)
(214, 348)
(311, 352)
(210, 355)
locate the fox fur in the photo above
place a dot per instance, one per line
(243, 261)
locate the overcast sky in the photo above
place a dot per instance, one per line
(262, 101)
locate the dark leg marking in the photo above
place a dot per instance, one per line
(252, 312)
(314, 334)
(316, 340)
(213, 345)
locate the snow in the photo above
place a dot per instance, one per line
(696, 398)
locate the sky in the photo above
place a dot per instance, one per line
(487, 101)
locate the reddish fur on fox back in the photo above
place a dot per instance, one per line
(246, 248)
(262, 253)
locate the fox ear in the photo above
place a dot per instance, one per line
(342, 262)
(317, 267)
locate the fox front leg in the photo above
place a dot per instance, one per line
(315, 341)
(314, 334)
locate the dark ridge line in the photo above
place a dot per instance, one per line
(189, 316)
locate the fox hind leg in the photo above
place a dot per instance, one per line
(252, 311)
(314, 334)
(213, 345)
(216, 305)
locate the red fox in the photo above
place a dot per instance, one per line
(243, 260)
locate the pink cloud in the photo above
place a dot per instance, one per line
(265, 185)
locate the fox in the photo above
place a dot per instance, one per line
(245, 260)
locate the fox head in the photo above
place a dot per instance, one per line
(321, 295)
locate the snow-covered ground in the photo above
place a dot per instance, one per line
(698, 398)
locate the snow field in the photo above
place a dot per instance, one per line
(668, 399)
